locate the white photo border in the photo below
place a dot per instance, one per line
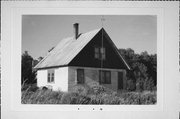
(14, 27)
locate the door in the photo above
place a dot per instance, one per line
(120, 80)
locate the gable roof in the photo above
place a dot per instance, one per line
(68, 48)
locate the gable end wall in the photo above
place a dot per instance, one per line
(92, 75)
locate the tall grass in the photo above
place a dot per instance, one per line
(82, 95)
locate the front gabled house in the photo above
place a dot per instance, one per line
(83, 58)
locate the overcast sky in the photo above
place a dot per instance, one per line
(41, 32)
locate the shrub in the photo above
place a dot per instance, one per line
(98, 89)
(41, 97)
(69, 98)
(149, 84)
(95, 88)
(80, 96)
(96, 99)
(106, 99)
(33, 88)
(131, 86)
(81, 90)
(24, 87)
(83, 99)
(30, 87)
(109, 99)
(52, 97)
(146, 97)
(139, 85)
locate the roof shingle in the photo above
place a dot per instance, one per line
(66, 50)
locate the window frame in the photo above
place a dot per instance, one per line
(103, 78)
(96, 53)
(82, 81)
(51, 76)
(103, 53)
(100, 53)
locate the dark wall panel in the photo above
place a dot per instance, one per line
(86, 57)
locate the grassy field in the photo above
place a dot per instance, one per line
(82, 95)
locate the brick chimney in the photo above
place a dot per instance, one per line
(76, 30)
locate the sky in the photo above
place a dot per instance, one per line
(42, 32)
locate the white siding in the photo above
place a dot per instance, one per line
(41, 78)
(60, 79)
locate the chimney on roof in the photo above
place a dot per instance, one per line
(76, 30)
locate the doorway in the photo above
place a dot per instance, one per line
(120, 80)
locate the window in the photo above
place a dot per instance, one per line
(80, 76)
(103, 53)
(99, 53)
(104, 77)
(50, 76)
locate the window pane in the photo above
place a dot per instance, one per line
(96, 53)
(52, 77)
(96, 50)
(80, 76)
(103, 56)
(48, 77)
(103, 53)
(108, 77)
(102, 50)
(102, 77)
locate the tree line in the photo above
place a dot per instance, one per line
(143, 73)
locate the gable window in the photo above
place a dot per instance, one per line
(80, 76)
(50, 76)
(104, 77)
(100, 53)
(97, 54)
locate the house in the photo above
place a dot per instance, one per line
(83, 58)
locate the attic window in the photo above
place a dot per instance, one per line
(50, 76)
(100, 53)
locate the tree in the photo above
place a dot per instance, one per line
(40, 58)
(27, 74)
(129, 55)
(143, 71)
(144, 55)
(140, 74)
